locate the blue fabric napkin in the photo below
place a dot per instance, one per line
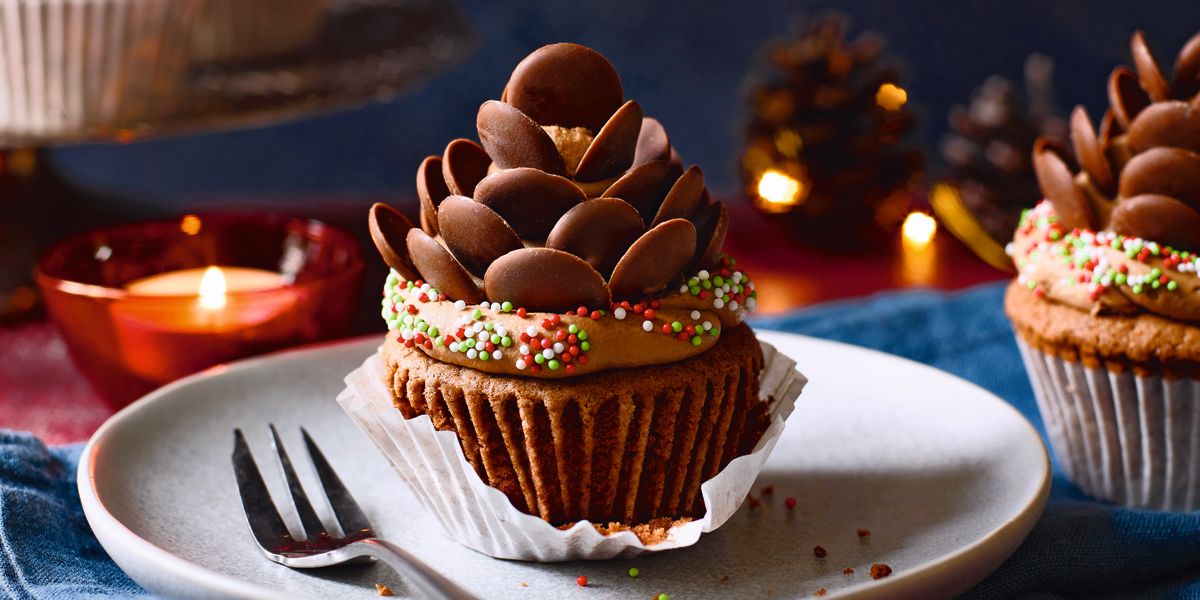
(1080, 548)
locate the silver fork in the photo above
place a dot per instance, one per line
(320, 548)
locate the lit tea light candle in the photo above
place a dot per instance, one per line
(211, 287)
(918, 264)
(779, 192)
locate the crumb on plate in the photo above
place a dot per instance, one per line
(880, 570)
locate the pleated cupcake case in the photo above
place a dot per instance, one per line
(483, 518)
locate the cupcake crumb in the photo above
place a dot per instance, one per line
(383, 590)
(862, 533)
(818, 552)
(767, 490)
(753, 502)
(523, 584)
(821, 592)
(848, 571)
(880, 570)
(654, 532)
(724, 579)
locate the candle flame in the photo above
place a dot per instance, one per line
(212, 289)
(779, 191)
(891, 96)
(919, 229)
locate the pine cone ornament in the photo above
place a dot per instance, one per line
(572, 198)
(987, 151)
(827, 115)
(1139, 175)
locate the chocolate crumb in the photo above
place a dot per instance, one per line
(848, 571)
(862, 533)
(724, 578)
(819, 552)
(880, 570)
(383, 590)
(752, 502)
(767, 490)
(821, 592)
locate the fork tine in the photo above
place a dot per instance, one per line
(313, 528)
(349, 515)
(265, 523)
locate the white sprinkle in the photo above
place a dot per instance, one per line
(454, 346)
(483, 336)
(718, 292)
(647, 326)
(548, 353)
(695, 315)
(751, 303)
(718, 303)
(683, 289)
(531, 331)
(521, 364)
(496, 354)
(733, 305)
(524, 348)
(502, 330)
(496, 307)
(460, 305)
(472, 354)
(702, 275)
(477, 327)
(619, 313)
(737, 276)
(407, 334)
(707, 325)
(558, 348)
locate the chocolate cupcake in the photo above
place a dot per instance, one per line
(564, 308)
(1106, 305)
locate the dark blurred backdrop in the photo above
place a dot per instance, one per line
(683, 61)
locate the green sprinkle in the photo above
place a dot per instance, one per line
(489, 326)
(1155, 273)
(439, 341)
(718, 280)
(706, 284)
(434, 331)
(696, 340)
(572, 328)
(470, 342)
(693, 290)
(484, 355)
(496, 339)
(1031, 284)
(553, 364)
(1120, 279)
(663, 597)
(475, 314)
(585, 346)
(633, 571)
(422, 326)
(1154, 284)
(676, 326)
(506, 306)
(583, 334)
(693, 282)
(539, 359)
(506, 341)
(715, 331)
(1172, 285)
(1137, 289)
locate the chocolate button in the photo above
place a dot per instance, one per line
(1187, 69)
(1125, 96)
(1158, 218)
(440, 270)
(643, 187)
(1171, 123)
(388, 230)
(1109, 129)
(514, 140)
(612, 151)
(1149, 74)
(531, 201)
(474, 233)
(567, 85)
(652, 143)
(598, 231)
(464, 164)
(1056, 182)
(431, 189)
(712, 223)
(684, 198)
(1089, 152)
(1171, 172)
(545, 279)
(654, 261)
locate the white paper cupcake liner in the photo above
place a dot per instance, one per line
(77, 67)
(480, 517)
(1121, 437)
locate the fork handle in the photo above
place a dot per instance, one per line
(429, 582)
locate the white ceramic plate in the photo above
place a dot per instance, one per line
(948, 479)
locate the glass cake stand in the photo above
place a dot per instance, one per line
(357, 52)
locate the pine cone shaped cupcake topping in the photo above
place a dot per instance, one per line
(1118, 232)
(573, 202)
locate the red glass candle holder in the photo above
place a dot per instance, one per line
(128, 343)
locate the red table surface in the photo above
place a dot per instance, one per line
(42, 391)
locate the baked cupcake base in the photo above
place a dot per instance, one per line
(433, 464)
(1120, 399)
(627, 445)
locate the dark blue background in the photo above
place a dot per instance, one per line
(684, 61)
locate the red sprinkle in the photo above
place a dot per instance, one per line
(489, 346)
(521, 312)
(566, 357)
(560, 335)
(581, 580)
(569, 368)
(581, 311)
(412, 310)
(524, 337)
(655, 304)
(441, 297)
(649, 314)
(595, 315)
(572, 339)
(423, 297)
(638, 308)
(789, 502)
(703, 294)
(583, 359)
(536, 368)
(573, 350)
(683, 336)
(666, 329)
(547, 323)
(408, 343)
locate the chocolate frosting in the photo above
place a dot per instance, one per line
(1140, 176)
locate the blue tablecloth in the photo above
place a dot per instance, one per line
(1080, 548)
